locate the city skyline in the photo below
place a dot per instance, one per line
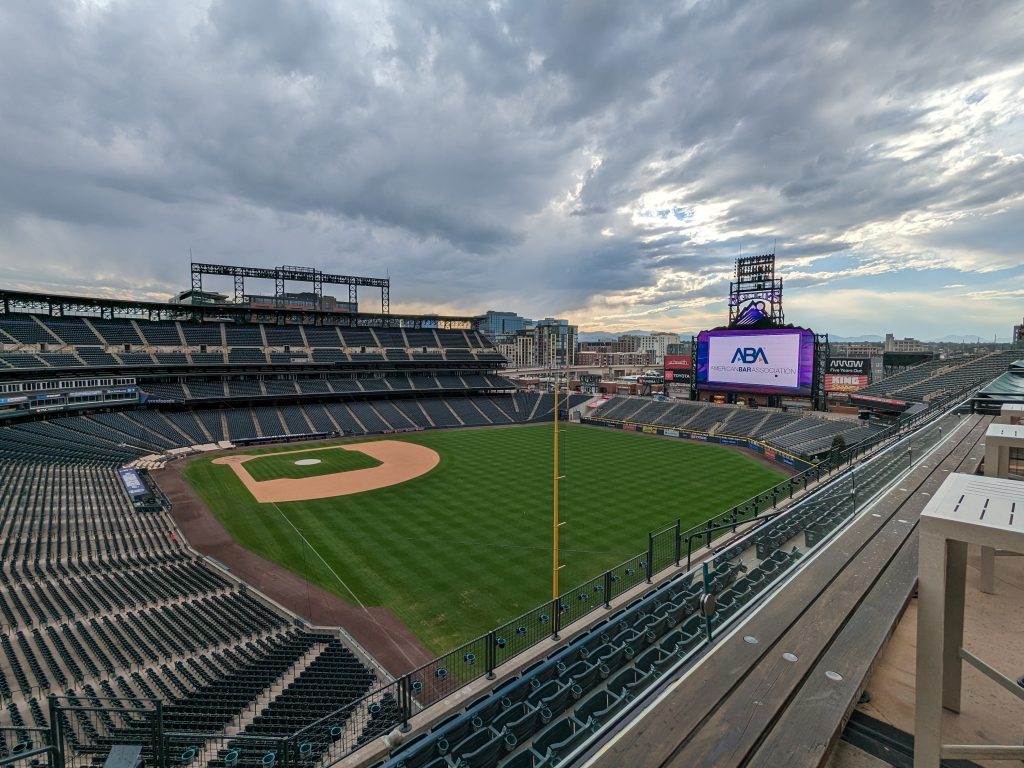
(601, 162)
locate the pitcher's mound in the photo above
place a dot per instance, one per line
(307, 462)
(399, 463)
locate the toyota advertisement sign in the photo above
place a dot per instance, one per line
(677, 368)
(779, 360)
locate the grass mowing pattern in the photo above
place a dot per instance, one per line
(467, 546)
(272, 467)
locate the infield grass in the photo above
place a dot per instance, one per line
(467, 546)
(277, 465)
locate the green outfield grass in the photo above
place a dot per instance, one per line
(274, 466)
(468, 545)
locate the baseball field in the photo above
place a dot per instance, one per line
(451, 530)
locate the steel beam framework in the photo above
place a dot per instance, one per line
(756, 281)
(294, 274)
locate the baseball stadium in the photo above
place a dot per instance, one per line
(264, 531)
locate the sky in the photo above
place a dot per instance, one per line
(604, 161)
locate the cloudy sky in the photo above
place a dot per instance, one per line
(602, 161)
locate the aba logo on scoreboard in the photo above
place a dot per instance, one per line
(750, 355)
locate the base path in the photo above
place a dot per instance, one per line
(399, 463)
(378, 630)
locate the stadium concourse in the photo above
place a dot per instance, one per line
(115, 631)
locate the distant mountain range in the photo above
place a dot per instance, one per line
(950, 339)
(685, 335)
(855, 339)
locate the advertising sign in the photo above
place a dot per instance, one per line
(871, 400)
(845, 382)
(847, 374)
(133, 483)
(855, 366)
(677, 368)
(778, 360)
(678, 362)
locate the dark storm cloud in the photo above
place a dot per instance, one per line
(544, 157)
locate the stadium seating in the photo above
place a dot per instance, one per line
(99, 600)
(72, 331)
(284, 336)
(936, 378)
(798, 434)
(539, 716)
(322, 336)
(25, 329)
(82, 342)
(117, 333)
(243, 335)
(205, 334)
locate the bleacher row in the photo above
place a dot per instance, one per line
(187, 389)
(936, 378)
(40, 341)
(794, 433)
(540, 715)
(124, 435)
(99, 601)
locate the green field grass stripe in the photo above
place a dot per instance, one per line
(331, 461)
(467, 546)
(313, 549)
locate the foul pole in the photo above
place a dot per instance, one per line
(554, 533)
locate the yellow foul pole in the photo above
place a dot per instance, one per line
(554, 567)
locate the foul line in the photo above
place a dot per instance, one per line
(341, 581)
(301, 536)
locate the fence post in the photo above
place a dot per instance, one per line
(650, 557)
(707, 591)
(707, 536)
(405, 696)
(490, 655)
(679, 541)
(161, 758)
(607, 589)
(689, 550)
(55, 732)
(556, 617)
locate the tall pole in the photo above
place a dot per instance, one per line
(554, 532)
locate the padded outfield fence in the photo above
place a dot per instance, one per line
(79, 726)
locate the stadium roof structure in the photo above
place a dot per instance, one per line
(1008, 388)
(60, 305)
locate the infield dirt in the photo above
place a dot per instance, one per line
(399, 463)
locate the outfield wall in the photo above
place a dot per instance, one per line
(764, 449)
